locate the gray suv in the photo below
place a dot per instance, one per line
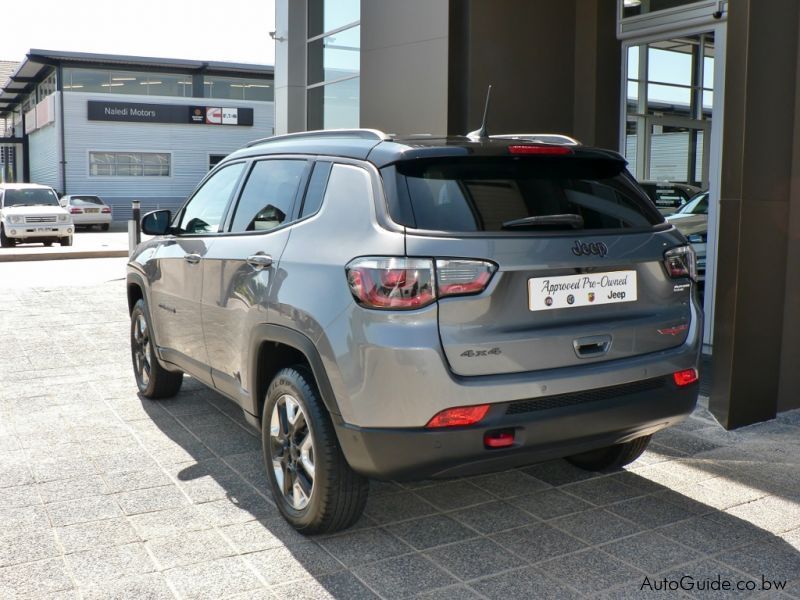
(420, 308)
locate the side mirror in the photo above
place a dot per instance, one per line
(156, 222)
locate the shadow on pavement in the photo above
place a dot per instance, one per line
(703, 506)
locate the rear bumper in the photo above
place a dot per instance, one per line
(544, 428)
(91, 219)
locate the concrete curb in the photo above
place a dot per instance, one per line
(62, 255)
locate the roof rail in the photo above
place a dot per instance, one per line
(542, 138)
(363, 134)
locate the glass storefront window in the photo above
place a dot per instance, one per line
(127, 82)
(327, 15)
(86, 80)
(334, 106)
(334, 64)
(669, 66)
(236, 88)
(335, 56)
(668, 99)
(669, 107)
(46, 87)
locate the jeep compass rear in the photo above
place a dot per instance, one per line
(432, 308)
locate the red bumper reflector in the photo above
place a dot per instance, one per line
(499, 439)
(458, 416)
(685, 377)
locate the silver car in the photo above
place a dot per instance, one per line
(692, 221)
(420, 308)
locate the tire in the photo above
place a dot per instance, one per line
(6, 242)
(333, 495)
(611, 457)
(153, 380)
(48, 243)
(65, 241)
(104, 227)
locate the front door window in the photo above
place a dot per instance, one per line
(204, 212)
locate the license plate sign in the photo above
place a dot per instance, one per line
(92, 210)
(587, 289)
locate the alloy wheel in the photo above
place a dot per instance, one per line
(292, 451)
(141, 350)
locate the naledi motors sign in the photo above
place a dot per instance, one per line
(137, 112)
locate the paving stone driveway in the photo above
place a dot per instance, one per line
(106, 495)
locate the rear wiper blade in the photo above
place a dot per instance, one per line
(574, 221)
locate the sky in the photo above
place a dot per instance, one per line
(223, 30)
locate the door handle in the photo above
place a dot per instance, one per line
(192, 258)
(259, 261)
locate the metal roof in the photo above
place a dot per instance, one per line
(31, 70)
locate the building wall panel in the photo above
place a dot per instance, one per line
(44, 156)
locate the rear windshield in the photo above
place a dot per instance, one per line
(517, 194)
(85, 201)
(30, 197)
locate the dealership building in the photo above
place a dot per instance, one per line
(128, 128)
(703, 92)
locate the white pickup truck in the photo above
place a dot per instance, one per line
(31, 213)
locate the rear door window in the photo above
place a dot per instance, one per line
(522, 194)
(268, 197)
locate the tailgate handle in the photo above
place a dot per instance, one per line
(589, 347)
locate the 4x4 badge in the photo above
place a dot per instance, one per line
(474, 353)
(583, 249)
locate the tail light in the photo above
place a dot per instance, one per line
(75, 211)
(685, 377)
(409, 283)
(106, 211)
(459, 416)
(396, 283)
(681, 262)
(461, 277)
